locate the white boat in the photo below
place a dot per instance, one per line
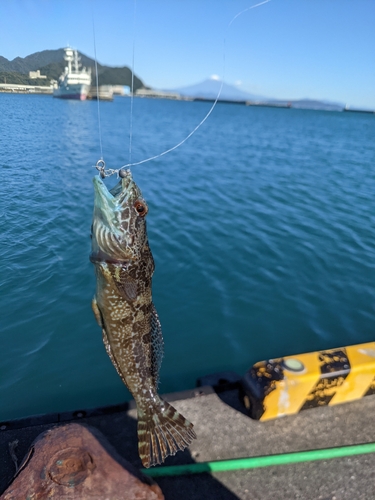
(74, 83)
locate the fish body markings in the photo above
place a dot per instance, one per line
(124, 309)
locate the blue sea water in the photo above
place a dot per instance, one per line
(261, 226)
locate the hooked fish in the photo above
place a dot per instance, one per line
(124, 309)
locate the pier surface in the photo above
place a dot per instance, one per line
(224, 431)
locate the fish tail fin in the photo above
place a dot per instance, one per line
(162, 431)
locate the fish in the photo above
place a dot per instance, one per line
(124, 309)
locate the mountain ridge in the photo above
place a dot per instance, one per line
(209, 89)
(51, 63)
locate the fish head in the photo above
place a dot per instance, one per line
(119, 225)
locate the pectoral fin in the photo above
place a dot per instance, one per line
(107, 346)
(126, 284)
(99, 319)
(97, 313)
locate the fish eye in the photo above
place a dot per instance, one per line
(141, 208)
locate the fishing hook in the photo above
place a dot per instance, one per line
(100, 166)
(103, 172)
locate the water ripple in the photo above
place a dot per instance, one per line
(261, 227)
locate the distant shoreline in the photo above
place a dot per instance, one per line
(41, 90)
(12, 88)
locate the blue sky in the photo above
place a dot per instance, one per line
(322, 49)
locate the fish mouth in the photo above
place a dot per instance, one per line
(110, 203)
(124, 191)
(110, 240)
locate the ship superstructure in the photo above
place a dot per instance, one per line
(75, 82)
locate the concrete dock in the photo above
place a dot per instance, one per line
(225, 431)
(12, 88)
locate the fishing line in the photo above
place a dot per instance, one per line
(97, 90)
(132, 87)
(100, 166)
(245, 10)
